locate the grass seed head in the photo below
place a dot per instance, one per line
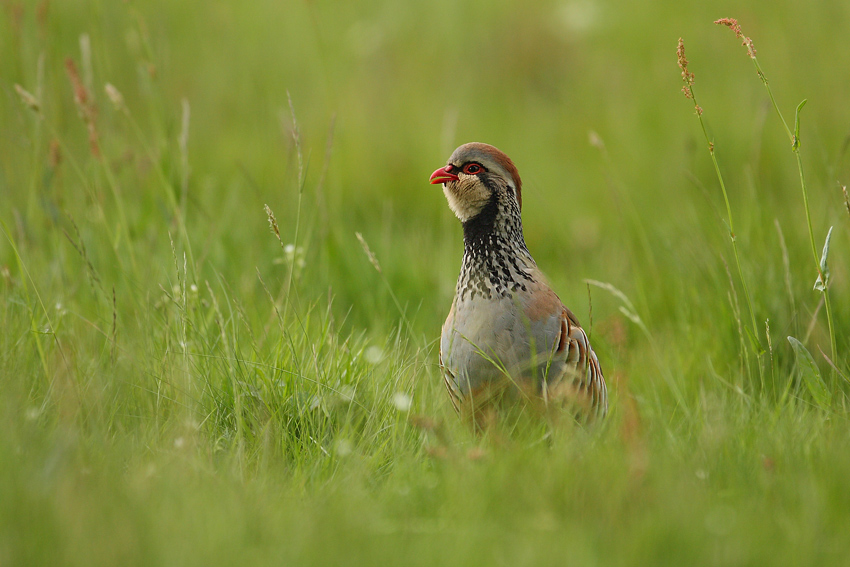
(273, 223)
(28, 99)
(81, 95)
(115, 96)
(85, 106)
(733, 25)
(369, 254)
(54, 154)
(687, 76)
(595, 140)
(42, 12)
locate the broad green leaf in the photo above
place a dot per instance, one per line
(795, 143)
(754, 342)
(821, 284)
(811, 374)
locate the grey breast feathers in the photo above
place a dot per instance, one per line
(529, 339)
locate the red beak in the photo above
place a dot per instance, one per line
(443, 175)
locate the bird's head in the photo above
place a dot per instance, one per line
(476, 175)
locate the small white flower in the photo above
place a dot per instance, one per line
(114, 95)
(343, 447)
(402, 401)
(179, 442)
(193, 288)
(374, 354)
(32, 414)
(579, 15)
(294, 256)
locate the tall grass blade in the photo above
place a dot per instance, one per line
(810, 374)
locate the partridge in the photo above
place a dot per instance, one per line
(507, 335)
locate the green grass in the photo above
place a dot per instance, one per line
(180, 387)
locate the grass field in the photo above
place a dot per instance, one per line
(183, 386)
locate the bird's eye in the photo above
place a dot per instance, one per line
(472, 169)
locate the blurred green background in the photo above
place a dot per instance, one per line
(400, 86)
(180, 389)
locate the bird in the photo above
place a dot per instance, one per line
(508, 337)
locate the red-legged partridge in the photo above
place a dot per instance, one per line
(507, 331)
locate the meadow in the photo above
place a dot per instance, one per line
(223, 274)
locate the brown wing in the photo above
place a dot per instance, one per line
(582, 361)
(451, 384)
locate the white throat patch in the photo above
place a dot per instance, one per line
(467, 200)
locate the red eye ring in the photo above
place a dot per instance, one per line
(472, 169)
